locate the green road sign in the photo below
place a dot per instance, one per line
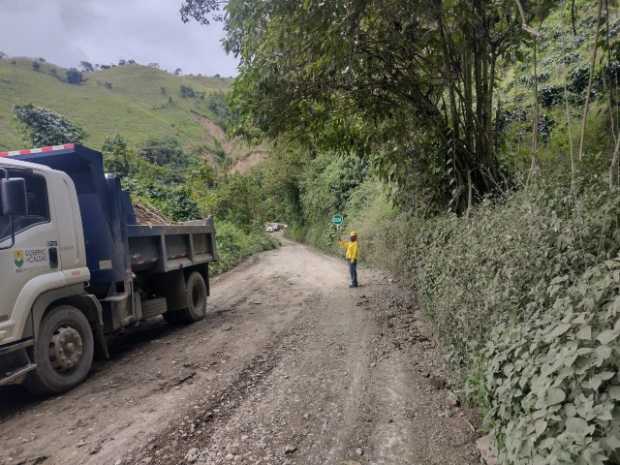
(337, 219)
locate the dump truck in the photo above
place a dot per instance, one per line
(76, 267)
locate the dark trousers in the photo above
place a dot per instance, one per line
(353, 271)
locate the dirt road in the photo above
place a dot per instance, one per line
(290, 367)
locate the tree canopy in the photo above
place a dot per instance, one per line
(44, 127)
(406, 83)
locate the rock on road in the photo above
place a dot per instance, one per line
(289, 367)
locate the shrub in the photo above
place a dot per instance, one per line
(45, 127)
(551, 95)
(187, 92)
(118, 158)
(218, 106)
(74, 76)
(173, 200)
(234, 244)
(165, 151)
(554, 379)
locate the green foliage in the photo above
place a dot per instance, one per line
(175, 201)
(492, 264)
(238, 200)
(327, 185)
(44, 127)
(74, 76)
(118, 158)
(219, 108)
(408, 84)
(554, 379)
(234, 244)
(164, 151)
(87, 66)
(187, 91)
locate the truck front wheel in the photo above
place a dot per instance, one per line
(63, 351)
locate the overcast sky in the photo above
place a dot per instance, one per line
(103, 31)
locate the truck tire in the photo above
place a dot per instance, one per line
(196, 292)
(63, 351)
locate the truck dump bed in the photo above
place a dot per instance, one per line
(164, 248)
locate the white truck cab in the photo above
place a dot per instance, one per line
(48, 251)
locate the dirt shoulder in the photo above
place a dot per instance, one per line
(290, 366)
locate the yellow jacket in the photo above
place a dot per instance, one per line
(352, 249)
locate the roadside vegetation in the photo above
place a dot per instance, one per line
(474, 146)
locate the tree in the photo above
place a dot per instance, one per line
(218, 106)
(165, 151)
(44, 127)
(178, 71)
(122, 62)
(409, 83)
(153, 65)
(131, 62)
(236, 200)
(117, 157)
(74, 76)
(87, 66)
(36, 66)
(187, 91)
(2, 55)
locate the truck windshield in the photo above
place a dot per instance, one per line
(37, 201)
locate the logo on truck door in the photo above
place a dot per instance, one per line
(20, 257)
(30, 258)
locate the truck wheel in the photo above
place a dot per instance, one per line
(63, 351)
(196, 290)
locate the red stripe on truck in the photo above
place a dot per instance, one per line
(37, 150)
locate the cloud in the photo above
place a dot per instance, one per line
(68, 31)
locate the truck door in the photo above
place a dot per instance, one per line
(30, 257)
(66, 213)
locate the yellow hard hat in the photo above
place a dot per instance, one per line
(353, 234)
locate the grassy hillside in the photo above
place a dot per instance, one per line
(135, 101)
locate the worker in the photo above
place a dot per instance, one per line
(352, 254)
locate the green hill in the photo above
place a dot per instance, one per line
(135, 101)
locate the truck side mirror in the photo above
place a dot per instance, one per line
(13, 200)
